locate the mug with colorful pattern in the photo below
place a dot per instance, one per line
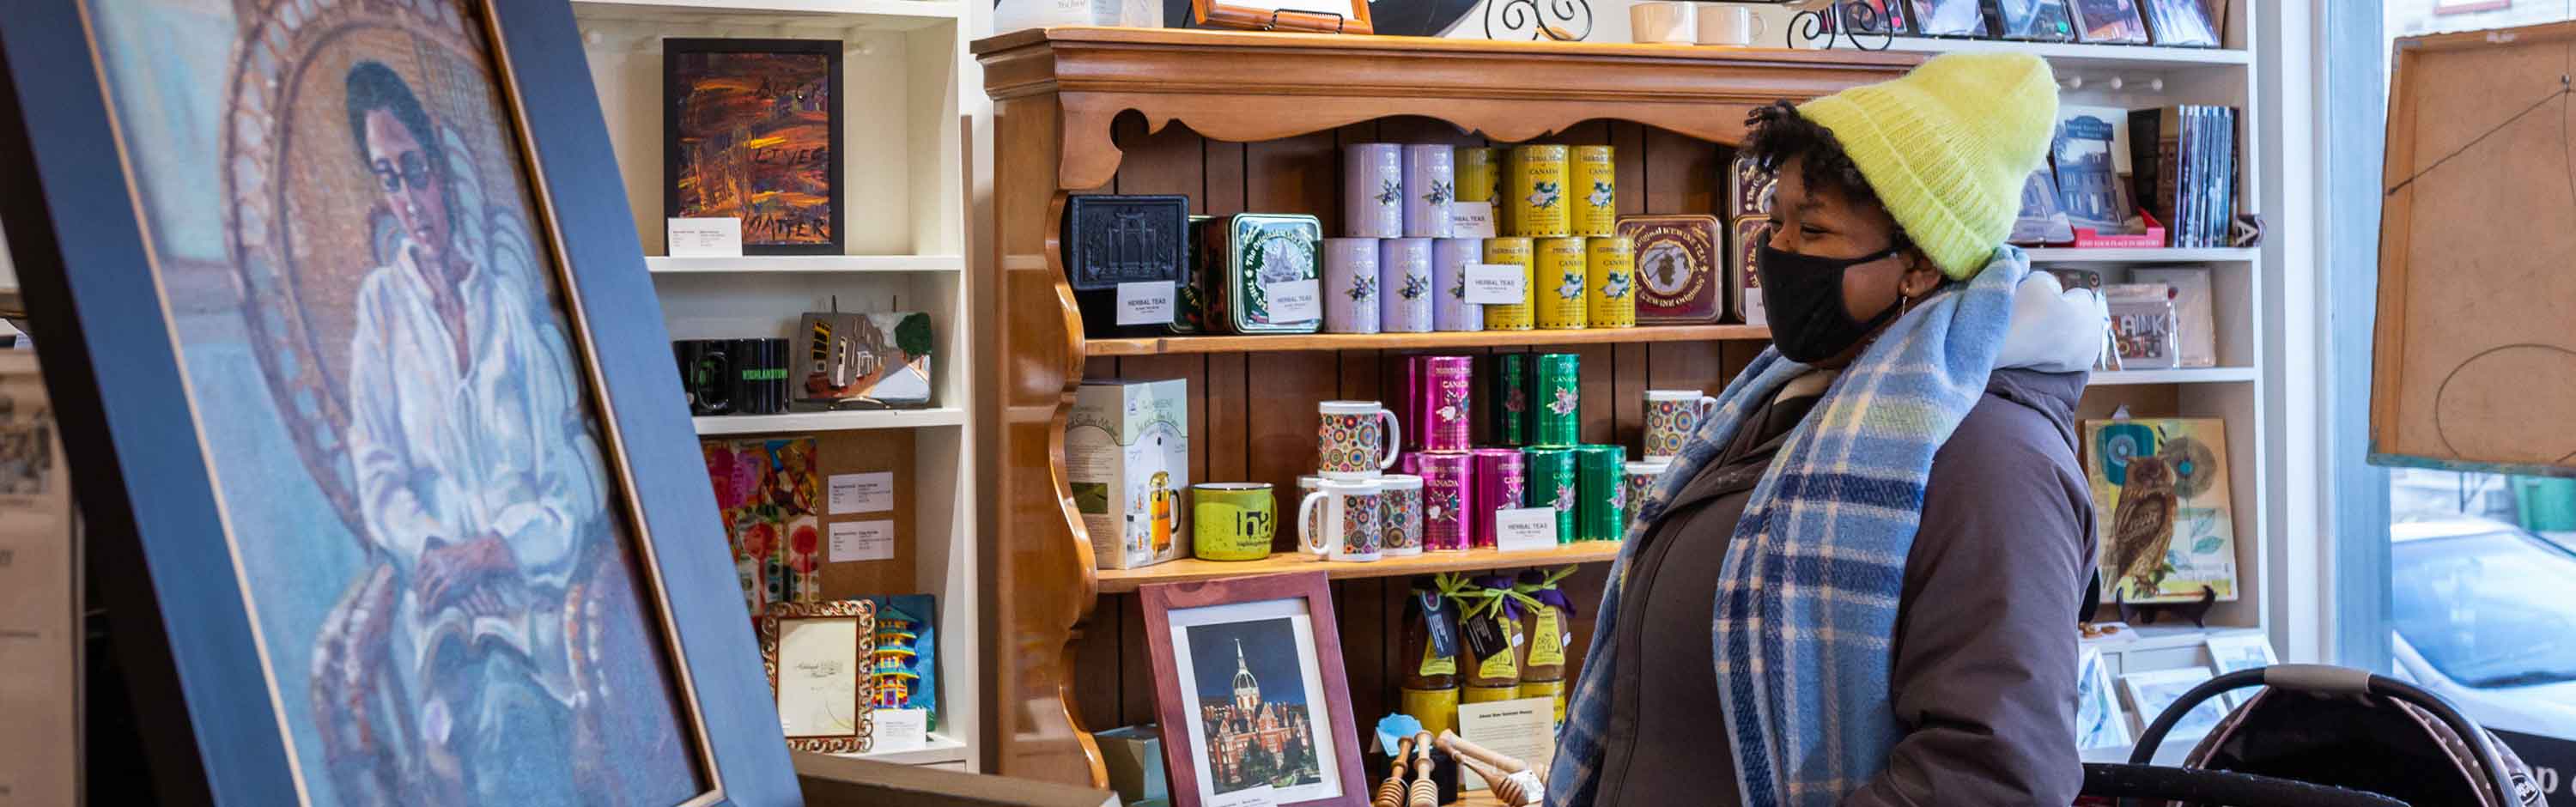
(1341, 520)
(1671, 416)
(1356, 439)
(1399, 502)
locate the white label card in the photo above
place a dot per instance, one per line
(1263, 796)
(1295, 301)
(1145, 303)
(705, 238)
(1523, 729)
(1497, 284)
(862, 540)
(1523, 529)
(1753, 311)
(898, 730)
(1471, 220)
(861, 493)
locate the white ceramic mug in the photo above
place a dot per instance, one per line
(1671, 416)
(1731, 26)
(1399, 503)
(1355, 439)
(1660, 23)
(1341, 520)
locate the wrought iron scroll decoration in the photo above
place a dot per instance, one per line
(1560, 20)
(1819, 27)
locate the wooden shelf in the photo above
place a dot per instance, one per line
(830, 421)
(937, 749)
(1120, 581)
(889, 15)
(805, 263)
(2185, 375)
(2158, 255)
(2075, 55)
(1162, 345)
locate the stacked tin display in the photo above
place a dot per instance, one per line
(1383, 275)
(1438, 400)
(1563, 224)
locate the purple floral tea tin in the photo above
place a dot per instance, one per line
(1404, 285)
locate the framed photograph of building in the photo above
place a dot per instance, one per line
(319, 283)
(1249, 683)
(821, 660)
(751, 129)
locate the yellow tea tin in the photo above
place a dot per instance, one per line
(1610, 287)
(1514, 251)
(1592, 191)
(1538, 201)
(1559, 297)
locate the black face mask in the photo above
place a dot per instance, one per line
(1803, 297)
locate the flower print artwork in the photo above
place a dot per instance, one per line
(1619, 498)
(1614, 285)
(1564, 496)
(1516, 401)
(1283, 260)
(1439, 193)
(1390, 192)
(1601, 195)
(1453, 405)
(1571, 287)
(1564, 403)
(1415, 285)
(1543, 195)
(1512, 489)
(1363, 288)
(1458, 290)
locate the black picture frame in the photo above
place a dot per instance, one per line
(673, 96)
(179, 610)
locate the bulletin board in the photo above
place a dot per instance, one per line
(2474, 355)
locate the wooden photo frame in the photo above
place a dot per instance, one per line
(249, 258)
(799, 644)
(740, 119)
(1227, 726)
(1315, 16)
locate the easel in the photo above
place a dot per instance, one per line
(2148, 613)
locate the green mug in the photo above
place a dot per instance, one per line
(1233, 520)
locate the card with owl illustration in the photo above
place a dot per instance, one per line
(2160, 498)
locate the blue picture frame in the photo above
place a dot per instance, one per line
(142, 464)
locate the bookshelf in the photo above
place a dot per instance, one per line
(908, 141)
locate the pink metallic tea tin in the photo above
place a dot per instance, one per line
(1448, 484)
(1499, 481)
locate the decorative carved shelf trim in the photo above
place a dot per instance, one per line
(1248, 86)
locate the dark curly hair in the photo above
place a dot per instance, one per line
(1780, 134)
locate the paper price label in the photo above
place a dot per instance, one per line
(704, 237)
(1497, 284)
(1295, 300)
(1524, 529)
(1753, 311)
(1471, 219)
(1145, 303)
(899, 729)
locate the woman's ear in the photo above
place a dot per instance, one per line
(1920, 276)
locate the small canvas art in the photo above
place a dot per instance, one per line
(767, 494)
(752, 130)
(2099, 722)
(2240, 651)
(2182, 23)
(2160, 493)
(2150, 693)
(905, 672)
(2032, 20)
(2109, 22)
(1249, 686)
(867, 361)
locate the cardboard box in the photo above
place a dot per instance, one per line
(1127, 458)
(1134, 757)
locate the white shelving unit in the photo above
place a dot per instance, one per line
(906, 186)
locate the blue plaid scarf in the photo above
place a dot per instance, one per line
(1806, 605)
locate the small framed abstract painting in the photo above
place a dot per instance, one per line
(751, 129)
(1249, 683)
(355, 358)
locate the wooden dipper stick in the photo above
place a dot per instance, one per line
(1425, 793)
(1390, 793)
(1459, 747)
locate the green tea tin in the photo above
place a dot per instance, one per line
(1552, 481)
(1264, 272)
(1507, 403)
(1600, 500)
(1556, 396)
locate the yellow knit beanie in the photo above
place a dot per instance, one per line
(1948, 147)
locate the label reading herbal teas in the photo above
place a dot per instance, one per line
(1497, 284)
(1295, 301)
(1148, 303)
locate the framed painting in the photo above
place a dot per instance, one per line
(1249, 684)
(821, 660)
(356, 363)
(751, 129)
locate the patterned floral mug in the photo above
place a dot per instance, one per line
(1342, 520)
(1671, 416)
(1399, 501)
(1355, 439)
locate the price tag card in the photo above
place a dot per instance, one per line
(861, 493)
(1523, 529)
(1295, 300)
(898, 730)
(1145, 303)
(1497, 284)
(1523, 729)
(1753, 311)
(705, 238)
(862, 540)
(1471, 220)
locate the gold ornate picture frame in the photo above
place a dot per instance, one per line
(819, 690)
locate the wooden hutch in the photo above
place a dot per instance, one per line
(1260, 120)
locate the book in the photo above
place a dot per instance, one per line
(2142, 325)
(2031, 20)
(2040, 221)
(2109, 22)
(2195, 328)
(2155, 155)
(2090, 156)
(2160, 498)
(2181, 23)
(1950, 18)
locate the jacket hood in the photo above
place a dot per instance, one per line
(2053, 330)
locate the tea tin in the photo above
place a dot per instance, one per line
(1448, 486)
(1600, 492)
(1190, 308)
(1507, 401)
(1609, 293)
(1405, 290)
(1538, 192)
(1742, 283)
(1552, 484)
(1558, 302)
(1517, 317)
(1556, 399)
(1350, 285)
(1481, 174)
(1592, 190)
(1373, 190)
(1109, 240)
(1450, 310)
(1500, 485)
(1265, 272)
(1749, 189)
(1442, 395)
(1675, 261)
(1429, 184)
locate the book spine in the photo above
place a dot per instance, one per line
(2148, 180)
